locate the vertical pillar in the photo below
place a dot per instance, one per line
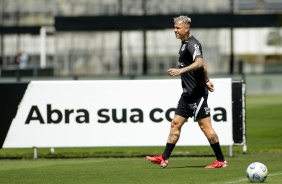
(43, 47)
(34, 153)
(43, 34)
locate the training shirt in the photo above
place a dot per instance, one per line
(193, 83)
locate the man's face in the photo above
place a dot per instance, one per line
(180, 30)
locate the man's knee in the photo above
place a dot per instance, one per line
(179, 119)
(176, 123)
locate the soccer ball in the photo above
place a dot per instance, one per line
(256, 172)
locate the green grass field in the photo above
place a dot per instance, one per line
(128, 165)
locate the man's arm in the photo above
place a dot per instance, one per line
(206, 73)
(198, 63)
(207, 80)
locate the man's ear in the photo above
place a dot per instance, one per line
(187, 29)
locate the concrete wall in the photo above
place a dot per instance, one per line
(264, 84)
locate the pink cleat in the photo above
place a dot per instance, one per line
(158, 160)
(217, 164)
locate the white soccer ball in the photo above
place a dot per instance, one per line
(256, 172)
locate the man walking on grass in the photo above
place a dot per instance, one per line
(193, 101)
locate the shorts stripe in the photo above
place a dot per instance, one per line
(199, 107)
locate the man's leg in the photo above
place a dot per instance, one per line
(173, 137)
(206, 127)
(174, 134)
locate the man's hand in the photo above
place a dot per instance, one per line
(174, 72)
(210, 86)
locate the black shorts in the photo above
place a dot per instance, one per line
(189, 108)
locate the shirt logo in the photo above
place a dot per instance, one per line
(197, 49)
(181, 65)
(183, 47)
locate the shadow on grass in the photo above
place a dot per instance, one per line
(188, 166)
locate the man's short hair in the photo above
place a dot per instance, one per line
(183, 20)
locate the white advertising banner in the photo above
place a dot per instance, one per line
(111, 113)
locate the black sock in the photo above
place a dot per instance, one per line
(168, 149)
(217, 151)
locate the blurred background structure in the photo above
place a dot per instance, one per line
(75, 38)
